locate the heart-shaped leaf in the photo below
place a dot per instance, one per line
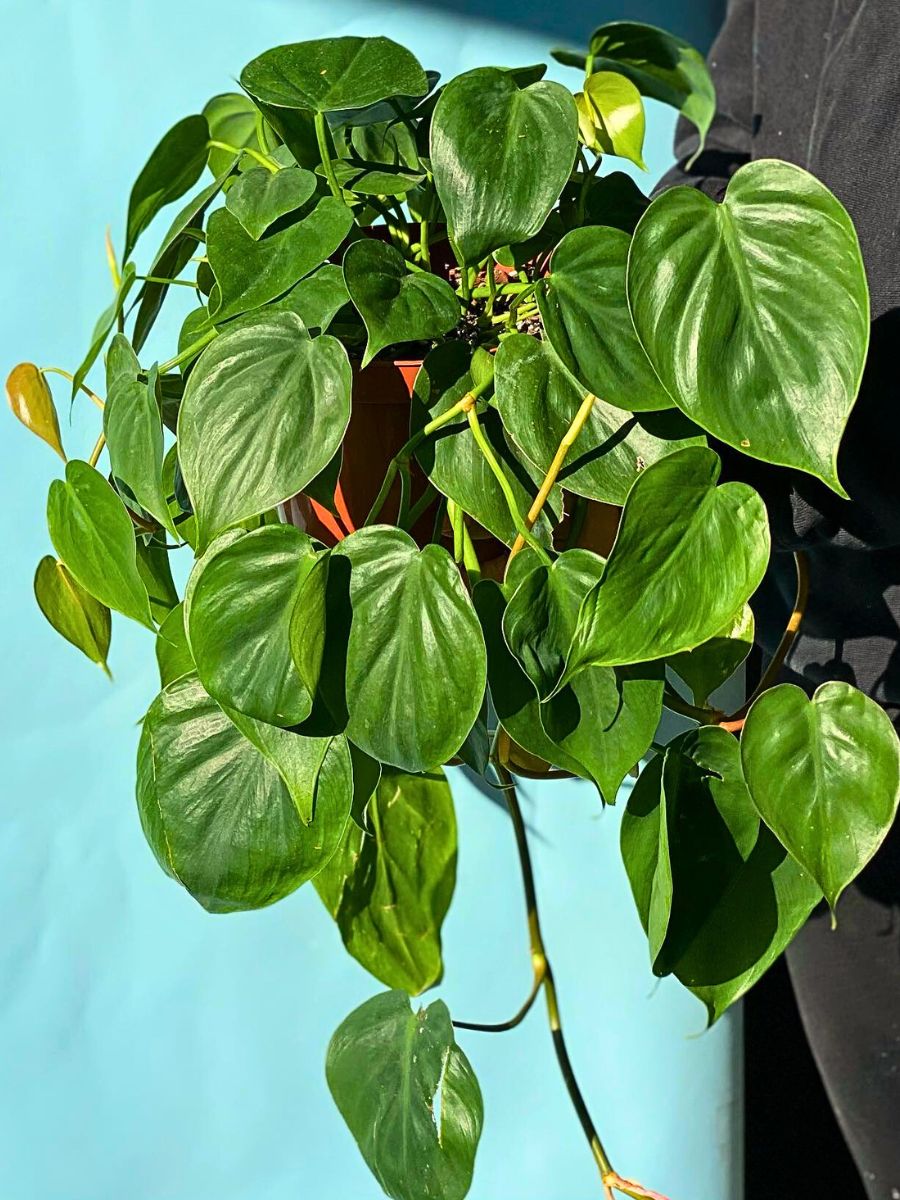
(239, 604)
(156, 572)
(772, 296)
(396, 304)
(227, 816)
(93, 535)
(720, 899)
(250, 273)
(73, 612)
(134, 434)
(711, 664)
(264, 411)
(615, 200)
(586, 320)
(657, 596)
(260, 197)
(386, 636)
(173, 654)
(31, 401)
(538, 400)
(824, 774)
(611, 116)
(318, 298)
(452, 459)
(175, 165)
(232, 119)
(389, 890)
(501, 155)
(334, 73)
(368, 178)
(408, 1096)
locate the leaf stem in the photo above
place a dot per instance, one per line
(262, 159)
(189, 352)
(676, 704)
(505, 1026)
(71, 378)
(568, 440)
(325, 155)
(97, 450)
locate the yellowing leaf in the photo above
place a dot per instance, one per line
(30, 400)
(611, 116)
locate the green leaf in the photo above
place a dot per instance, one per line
(538, 400)
(715, 661)
(408, 1096)
(174, 166)
(720, 899)
(396, 304)
(661, 65)
(501, 155)
(251, 273)
(658, 596)
(31, 401)
(173, 654)
(374, 178)
(366, 777)
(239, 605)
(386, 636)
(824, 774)
(93, 535)
(264, 411)
(318, 298)
(615, 200)
(226, 819)
(611, 116)
(103, 327)
(390, 890)
(586, 320)
(73, 612)
(334, 73)
(452, 460)
(259, 198)
(772, 296)
(134, 434)
(155, 570)
(232, 119)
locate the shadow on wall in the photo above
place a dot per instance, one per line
(572, 20)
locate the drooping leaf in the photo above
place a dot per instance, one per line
(611, 116)
(240, 601)
(173, 654)
(718, 896)
(318, 298)
(486, 129)
(824, 774)
(715, 661)
(155, 570)
(408, 1096)
(103, 327)
(73, 612)
(766, 290)
(232, 119)
(134, 435)
(366, 777)
(264, 411)
(93, 535)
(250, 273)
(259, 198)
(586, 320)
(658, 596)
(389, 889)
(226, 819)
(31, 401)
(174, 166)
(384, 634)
(397, 305)
(538, 399)
(452, 459)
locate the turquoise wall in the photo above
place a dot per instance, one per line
(149, 1051)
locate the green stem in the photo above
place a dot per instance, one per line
(187, 354)
(164, 279)
(262, 159)
(491, 282)
(423, 502)
(514, 307)
(424, 248)
(675, 703)
(465, 285)
(469, 557)
(455, 513)
(325, 155)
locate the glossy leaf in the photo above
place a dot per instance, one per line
(251, 273)
(389, 890)
(240, 600)
(366, 777)
(264, 411)
(103, 326)
(769, 293)
(232, 118)
(718, 896)
(715, 661)
(31, 401)
(174, 166)
(227, 819)
(386, 635)
(657, 596)
(155, 570)
(334, 73)
(397, 305)
(173, 653)
(408, 1096)
(611, 116)
(586, 320)
(538, 400)
(376, 179)
(259, 197)
(318, 298)
(824, 774)
(93, 535)
(73, 612)
(482, 120)
(134, 435)
(615, 200)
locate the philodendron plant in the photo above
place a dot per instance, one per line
(580, 348)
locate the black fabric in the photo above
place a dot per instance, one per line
(817, 82)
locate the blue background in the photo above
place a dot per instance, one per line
(148, 1050)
